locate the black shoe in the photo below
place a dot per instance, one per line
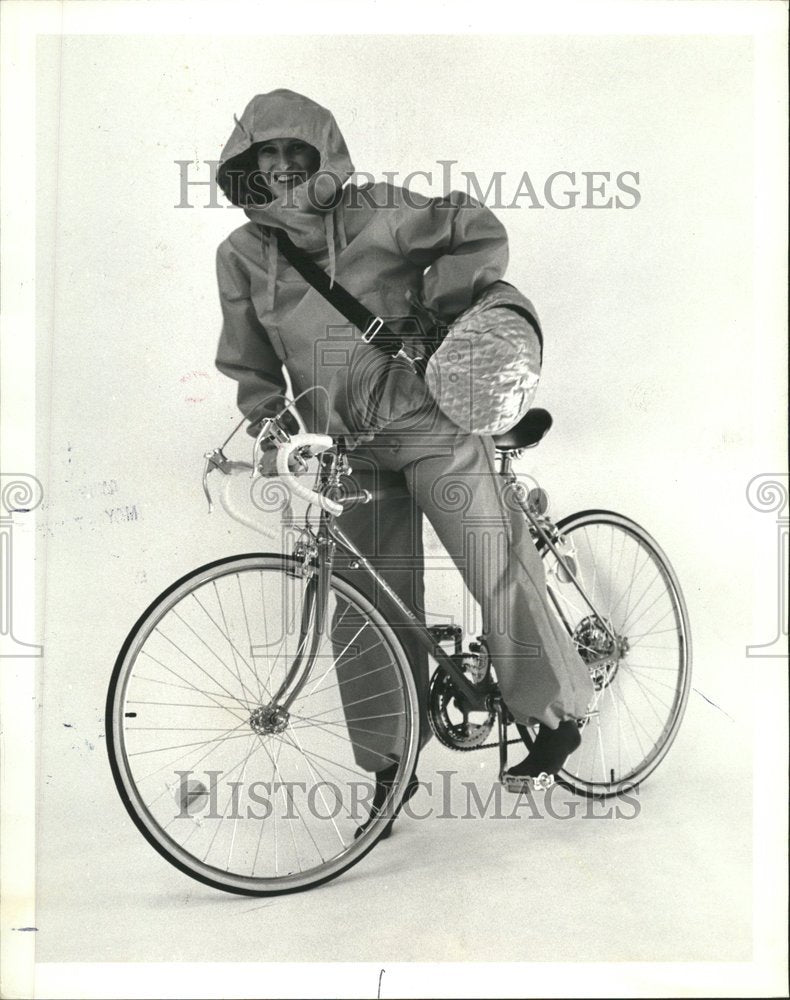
(384, 780)
(547, 755)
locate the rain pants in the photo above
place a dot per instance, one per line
(403, 256)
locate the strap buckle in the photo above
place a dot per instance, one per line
(375, 325)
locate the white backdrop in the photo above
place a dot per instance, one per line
(648, 316)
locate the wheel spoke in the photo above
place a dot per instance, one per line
(249, 640)
(184, 687)
(180, 746)
(356, 742)
(310, 768)
(194, 661)
(169, 764)
(225, 631)
(334, 662)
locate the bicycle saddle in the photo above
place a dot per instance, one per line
(526, 433)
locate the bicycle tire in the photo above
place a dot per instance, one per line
(124, 739)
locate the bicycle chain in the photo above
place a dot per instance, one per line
(487, 746)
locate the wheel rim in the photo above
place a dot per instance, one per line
(239, 791)
(641, 676)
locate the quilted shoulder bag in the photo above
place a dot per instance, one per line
(485, 372)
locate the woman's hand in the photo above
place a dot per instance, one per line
(267, 464)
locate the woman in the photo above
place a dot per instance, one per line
(287, 164)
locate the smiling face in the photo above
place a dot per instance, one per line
(286, 163)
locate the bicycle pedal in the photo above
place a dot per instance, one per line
(445, 633)
(517, 783)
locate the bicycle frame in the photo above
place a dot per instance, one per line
(317, 555)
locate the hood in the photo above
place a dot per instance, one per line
(285, 114)
(309, 213)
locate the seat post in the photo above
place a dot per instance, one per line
(505, 463)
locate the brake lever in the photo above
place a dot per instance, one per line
(270, 430)
(214, 459)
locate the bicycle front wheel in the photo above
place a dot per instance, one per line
(235, 788)
(636, 642)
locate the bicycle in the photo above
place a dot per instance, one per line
(237, 665)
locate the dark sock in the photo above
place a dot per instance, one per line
(549, 751)
(384, 780)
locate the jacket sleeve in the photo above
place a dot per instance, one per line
(245, 352)
(462, 245)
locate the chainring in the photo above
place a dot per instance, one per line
(458, 732)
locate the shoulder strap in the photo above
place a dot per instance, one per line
(374, 330)
(336, 295)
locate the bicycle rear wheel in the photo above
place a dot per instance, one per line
(233, 792)
(641, 678)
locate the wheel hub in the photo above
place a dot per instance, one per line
(267, 720)
(599, 650)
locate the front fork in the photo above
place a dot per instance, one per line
(316, 554)
(312, 625)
